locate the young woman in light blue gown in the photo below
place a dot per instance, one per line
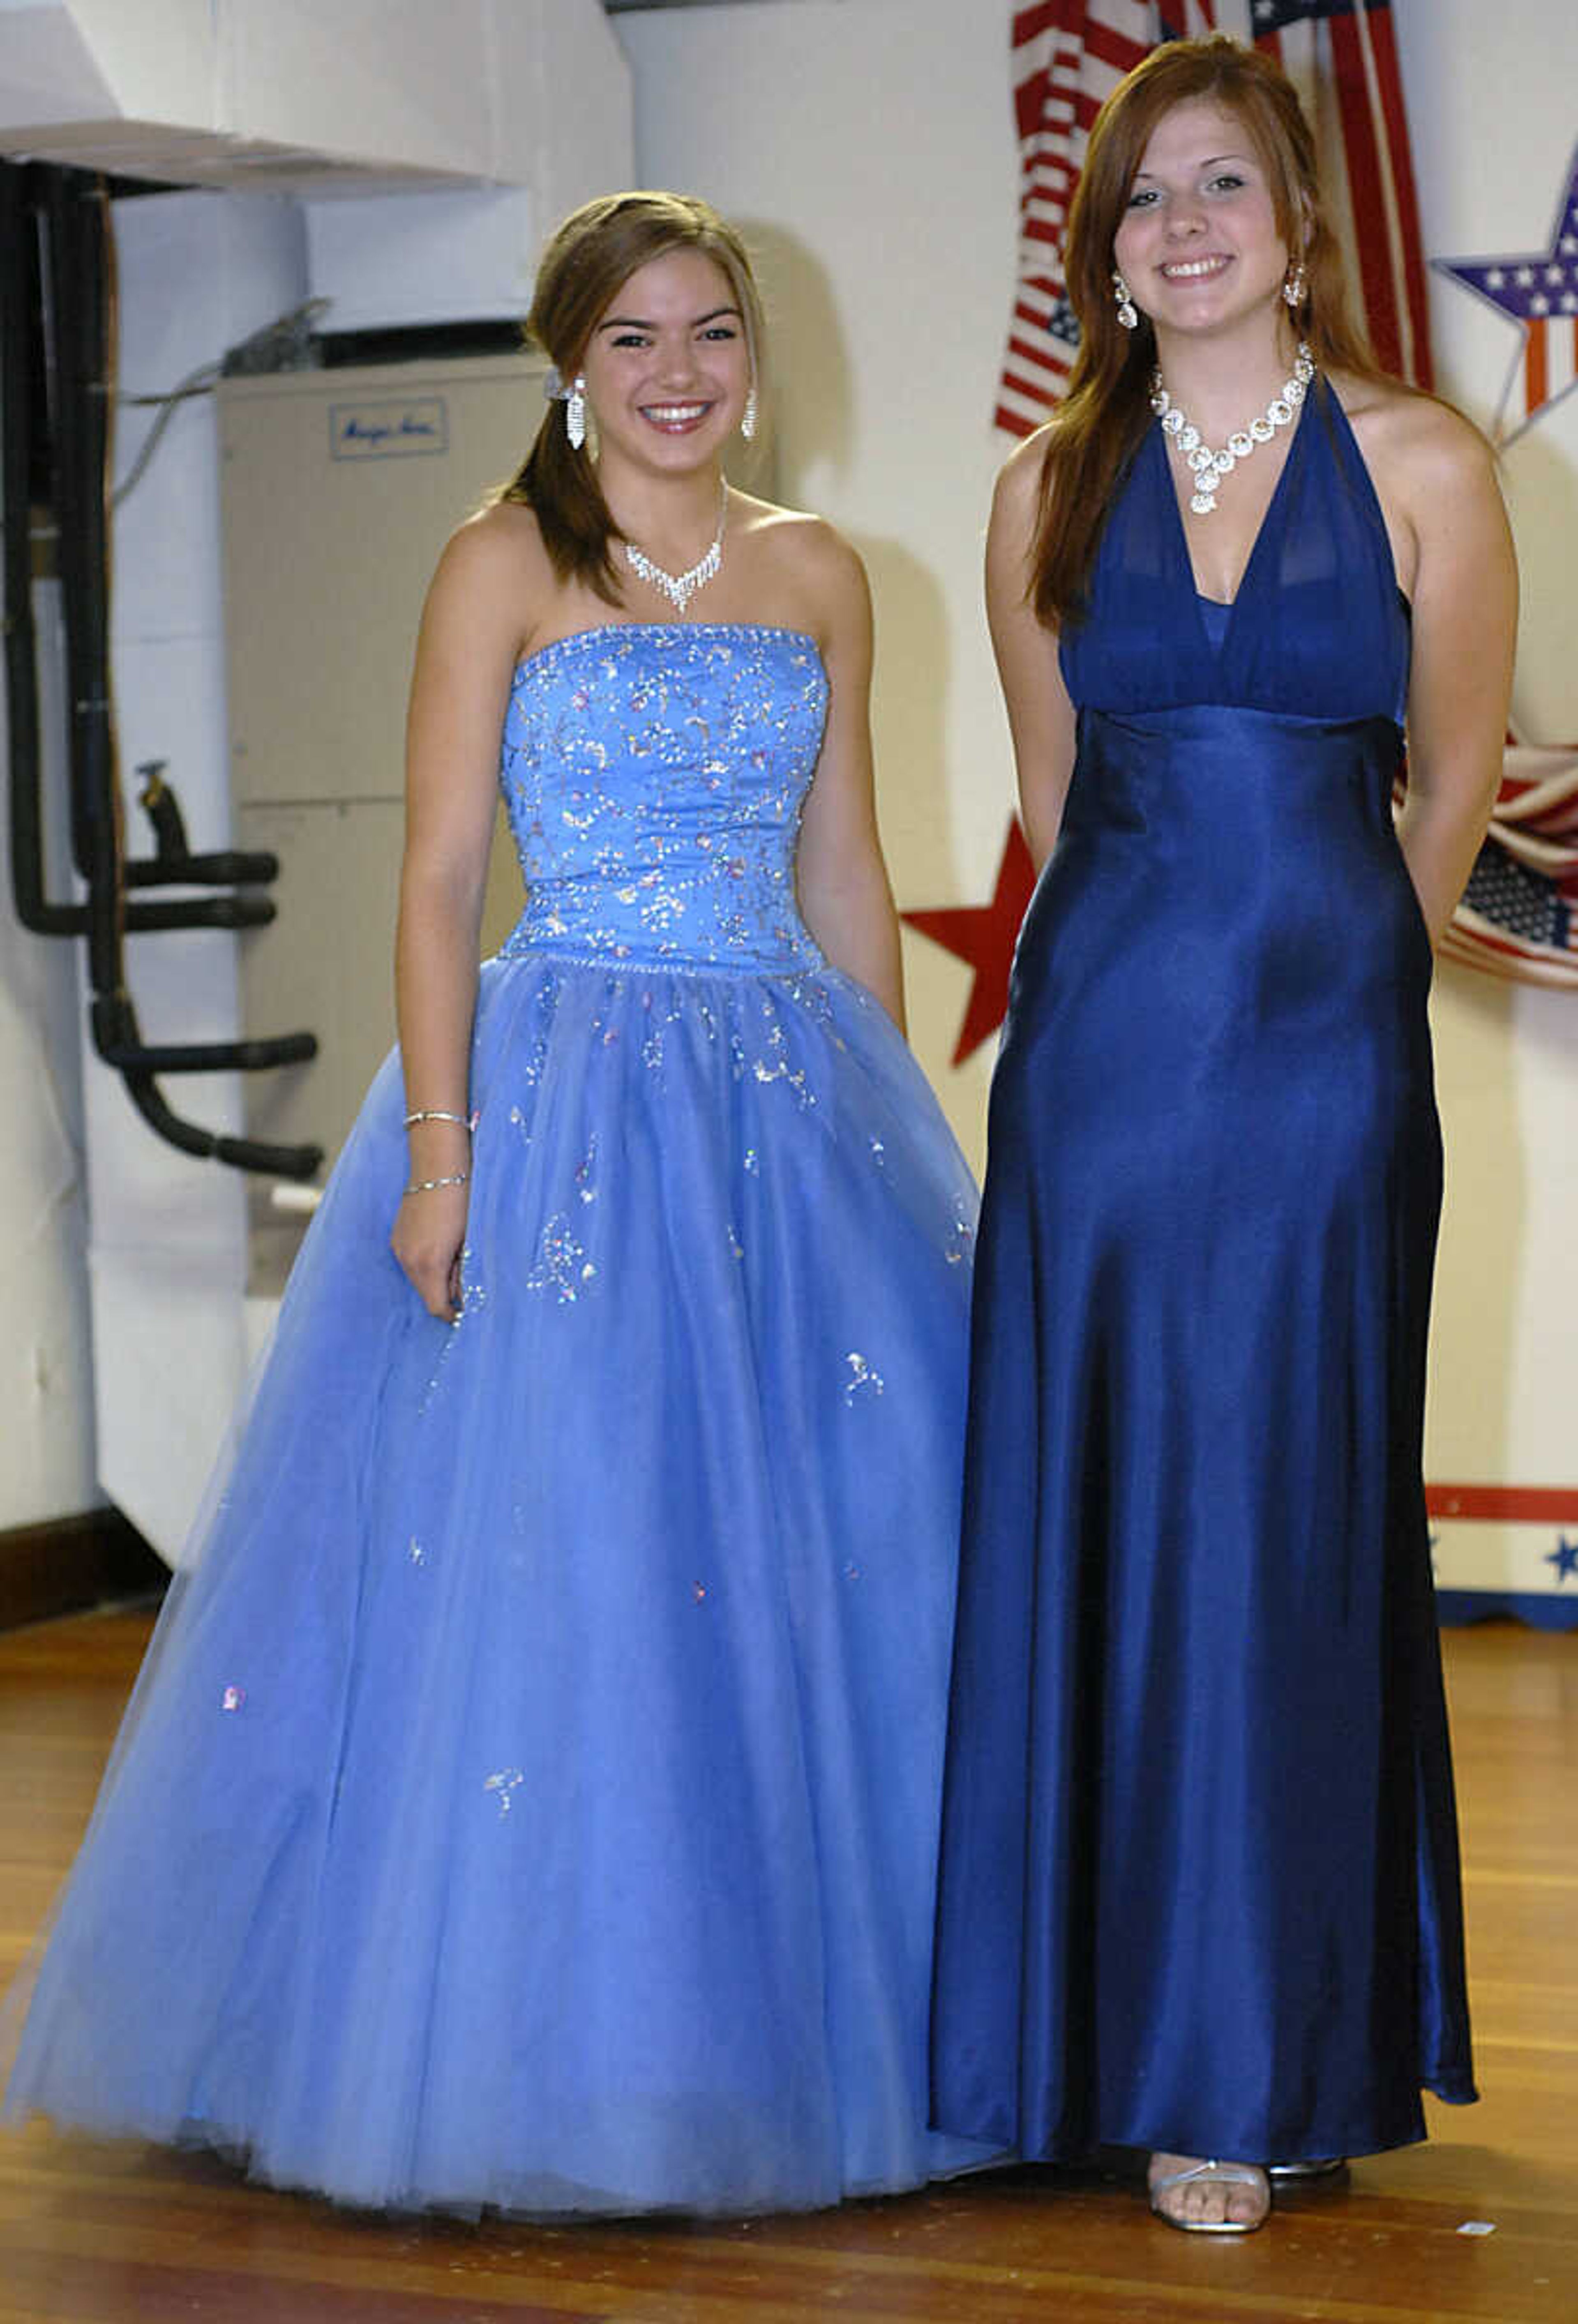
(530, 1798)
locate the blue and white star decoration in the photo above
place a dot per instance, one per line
(1564, 1558)
(1538, 290)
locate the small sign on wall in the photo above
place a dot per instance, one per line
(389, 429)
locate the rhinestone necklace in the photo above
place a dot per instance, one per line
(1210, 467)
(679, 588)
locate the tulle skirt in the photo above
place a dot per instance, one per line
(530, 1797)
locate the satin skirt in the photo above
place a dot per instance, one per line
(1199, 1883)
(531, 1795)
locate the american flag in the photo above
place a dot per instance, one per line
(1538, 289)
(1518, 917)
(1340, 54)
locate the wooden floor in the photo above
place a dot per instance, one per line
(98, 2234)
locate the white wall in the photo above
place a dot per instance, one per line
(1492, 97)
(867, 148)
(46, 1380)
(196, 272)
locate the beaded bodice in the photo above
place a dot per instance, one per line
(653, 775)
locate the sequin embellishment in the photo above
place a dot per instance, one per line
(861, 1376)
(561, 1265)
(507, 1780)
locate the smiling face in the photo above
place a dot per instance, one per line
(668, 364)
(1199, 243)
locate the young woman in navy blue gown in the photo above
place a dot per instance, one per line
(531, 1796)
(1199, 1889)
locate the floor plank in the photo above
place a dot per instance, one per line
(100, 2233)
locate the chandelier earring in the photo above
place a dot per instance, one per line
(1296, 288)
(575, 411)
(1128, 313)
(747, 418)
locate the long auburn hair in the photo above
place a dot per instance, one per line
(1107, 410)
(586, 263)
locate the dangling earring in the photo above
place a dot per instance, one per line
(575, 411)
(747, 418)
(1128, 313)
(1295, 286)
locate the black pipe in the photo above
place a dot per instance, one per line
(74, 284)
(79, 293)
(245, 911)
(209, 1057)
(33, 908)
(227, 867)
(173, 862)
(213, 1145)
(160, 804)
(115, 1038)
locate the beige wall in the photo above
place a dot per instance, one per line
(865, 146)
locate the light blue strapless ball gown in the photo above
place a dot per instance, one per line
(531, 1796)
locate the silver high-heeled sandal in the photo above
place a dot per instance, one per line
(1216, 2174)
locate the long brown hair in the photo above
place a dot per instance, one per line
(593, 253)
(1108, 406)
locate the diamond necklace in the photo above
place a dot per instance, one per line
(679, 588)
(1210, 467)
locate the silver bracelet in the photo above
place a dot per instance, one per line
(435, 1113)
(430, 1185)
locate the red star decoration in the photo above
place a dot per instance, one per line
(983, 935)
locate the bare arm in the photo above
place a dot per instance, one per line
(1040, 716)
(465, 652)
(1465, 617)
(840, 874)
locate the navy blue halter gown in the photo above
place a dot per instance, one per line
(1200, 1876)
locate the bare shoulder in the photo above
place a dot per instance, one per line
(1011, 536)
(805, 563)
(493, 580)
(807, 542)
(500, 544)
(1416, 446)
(1016, 495)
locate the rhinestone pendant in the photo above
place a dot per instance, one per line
(679, 588)
(1209, 466)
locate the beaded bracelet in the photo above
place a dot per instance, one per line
(435, 1113)
(430, 1185)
